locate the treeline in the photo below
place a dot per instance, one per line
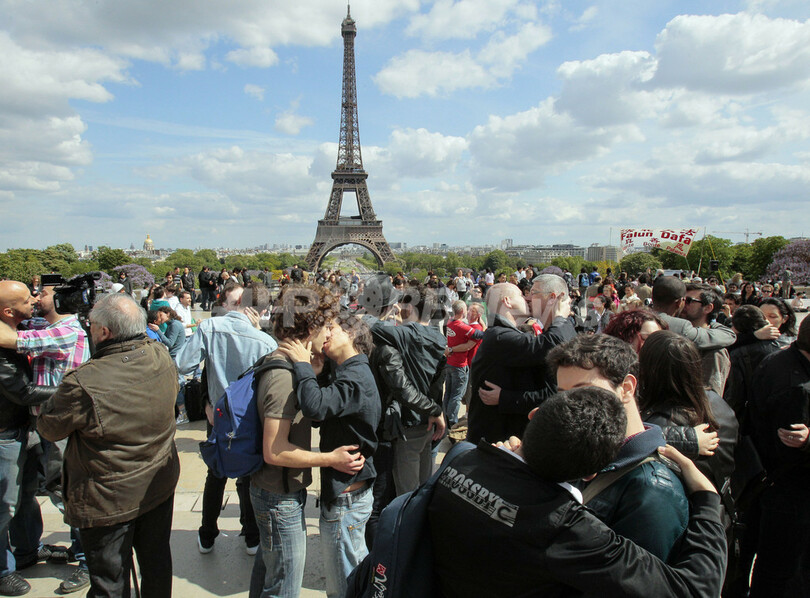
(22, 264)
(751, 259)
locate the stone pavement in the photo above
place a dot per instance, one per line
(223, 572)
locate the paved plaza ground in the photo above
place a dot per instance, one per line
(223, 572)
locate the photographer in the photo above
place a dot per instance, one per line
(20, 515)
(59, 347)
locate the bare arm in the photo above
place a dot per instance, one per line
(279, 451)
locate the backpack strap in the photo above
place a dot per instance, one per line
(604, 480)
(258, 368)
(456, 450)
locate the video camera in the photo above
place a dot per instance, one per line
(75, 296)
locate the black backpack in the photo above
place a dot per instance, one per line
(400, 563)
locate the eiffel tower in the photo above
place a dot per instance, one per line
(349, 177)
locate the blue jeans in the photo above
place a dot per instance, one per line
(20, 517)
(343, 536)
(279, 566)
(455, 383)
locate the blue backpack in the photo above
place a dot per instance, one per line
(234, 448)
(400, 563)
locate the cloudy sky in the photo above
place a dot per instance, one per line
(209, 123)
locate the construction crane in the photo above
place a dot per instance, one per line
(747, 233)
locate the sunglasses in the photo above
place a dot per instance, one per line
(691, 300)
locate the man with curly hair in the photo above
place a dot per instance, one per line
(278, 490)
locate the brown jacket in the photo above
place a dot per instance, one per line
(118, 410)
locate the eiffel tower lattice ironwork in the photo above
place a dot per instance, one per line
(349, 176)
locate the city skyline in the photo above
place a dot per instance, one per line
(545, 122)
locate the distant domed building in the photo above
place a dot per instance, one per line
(149, 245)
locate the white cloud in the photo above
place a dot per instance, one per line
(258, 57)
(250, 177)
(418, 72)
(516, 152)
(418, 153)
(715, 186)
(460, 19)
(585, 19)
(610, 89)
(290, 123)
(40, 134)
(34, 81)
(503, 53)
(255, 91)
(733, 54)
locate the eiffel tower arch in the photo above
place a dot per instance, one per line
(349, 176)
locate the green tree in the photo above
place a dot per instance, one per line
(58, 258)
(208, 257)
(498, 261)
(639, 262)
(80, 267)
(21, 264)
(108, 258)
(669, 260)
(741, 260)
(185, 258)
(762, 252)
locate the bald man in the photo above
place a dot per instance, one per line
(508, 373)
(19, 447)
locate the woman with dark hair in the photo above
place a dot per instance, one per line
(634, 326)
(599, 315)
(672, 395)
(781, 315)
(749, 294)
(174, 337)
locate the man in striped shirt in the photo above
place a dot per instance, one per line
(55, 349)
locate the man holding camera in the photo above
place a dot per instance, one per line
(59, 347)
(20, 516)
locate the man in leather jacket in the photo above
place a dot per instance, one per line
(121, 465)
(19, 446)
(408, 367)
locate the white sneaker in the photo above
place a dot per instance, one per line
(252, 550)
(203, 549)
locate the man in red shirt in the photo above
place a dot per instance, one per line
(459, 334)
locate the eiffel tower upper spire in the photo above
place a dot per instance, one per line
(350, 158)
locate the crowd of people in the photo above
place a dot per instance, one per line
(635, 435)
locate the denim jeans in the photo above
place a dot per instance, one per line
(20, 516)
(455, 383)
(279, 566)
(343, 542)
